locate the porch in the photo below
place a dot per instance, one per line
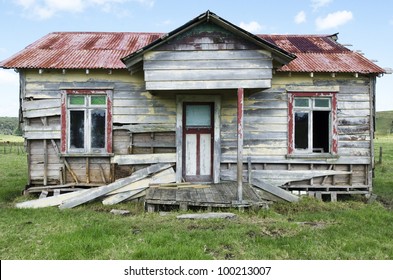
(209, 196)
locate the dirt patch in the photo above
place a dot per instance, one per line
(388, 204)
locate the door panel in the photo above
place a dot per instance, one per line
(205, 154)
(198, 135)
(191, 154)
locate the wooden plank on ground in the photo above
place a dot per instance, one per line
(49, 201)
(165, 176)
(116, 198)
(277, 191)
(210, 215)
(139, 186)
(100, 191)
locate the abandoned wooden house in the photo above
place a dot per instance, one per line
(290, 113)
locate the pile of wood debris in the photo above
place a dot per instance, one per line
(128, 188)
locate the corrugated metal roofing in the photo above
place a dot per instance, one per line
(95, 50)
(321, 53)
(75, 50)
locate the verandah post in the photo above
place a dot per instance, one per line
(240, 99)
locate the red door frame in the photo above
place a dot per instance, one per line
(198, 131)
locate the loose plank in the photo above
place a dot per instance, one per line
(100, 191)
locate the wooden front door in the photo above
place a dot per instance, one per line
(198, 138)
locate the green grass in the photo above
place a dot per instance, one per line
(383, 183)
(309, 229)
(384, 122)
(11, 138)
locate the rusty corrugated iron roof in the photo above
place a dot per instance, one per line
(80, 50)
(321, 53)
(96, 50)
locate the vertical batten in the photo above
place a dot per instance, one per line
(240, 105)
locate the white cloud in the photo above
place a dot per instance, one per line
(252, 27)
(300, 17)
(45, 9)
(317, 4)
(391, 21)
(333, 20)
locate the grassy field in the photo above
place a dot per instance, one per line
(10, 138)
(384, 123)
(307, 230)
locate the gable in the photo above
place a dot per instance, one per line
(207, 56)
(207, 53)
(207, 36)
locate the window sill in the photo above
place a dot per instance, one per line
(86, 155)
(322, 157)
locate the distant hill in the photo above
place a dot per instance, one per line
(9, 126)
(384, 122)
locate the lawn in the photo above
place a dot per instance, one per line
(309, 229)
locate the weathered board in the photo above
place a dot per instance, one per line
(97, 192)
(143, 159)
(274, 190)
(207, 57)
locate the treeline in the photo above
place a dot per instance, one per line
(9, 126)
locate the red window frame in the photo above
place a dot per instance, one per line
(291, 124)
(64, 128)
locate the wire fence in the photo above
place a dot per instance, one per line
(7, 147)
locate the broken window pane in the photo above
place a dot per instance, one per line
(98, 100)
(301, 130)
(77, 129)
(77, 100)
(98, 128)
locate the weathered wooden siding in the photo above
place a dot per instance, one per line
(207, 57)
(144, 123)
(266, 120)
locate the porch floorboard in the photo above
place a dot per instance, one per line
(222, 195)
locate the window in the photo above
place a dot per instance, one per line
(312, 123)
(86, 122)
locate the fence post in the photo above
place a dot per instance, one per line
(380, 155)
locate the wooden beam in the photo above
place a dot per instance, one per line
(71, 171)
(97, 192)
(135, 188)
(144, 128)
(45, 162)
(49, 201)
(144, 158)
(240, 100)
(276, 191)
(102, 174)
(88, 170)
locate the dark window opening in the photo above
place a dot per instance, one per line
(301, 130)
(98, 128)
(77, 129)
(321, 131)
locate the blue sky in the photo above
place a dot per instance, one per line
(367, 26)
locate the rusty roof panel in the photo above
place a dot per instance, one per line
(95, 50)
(321, 53)
(65, 50)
